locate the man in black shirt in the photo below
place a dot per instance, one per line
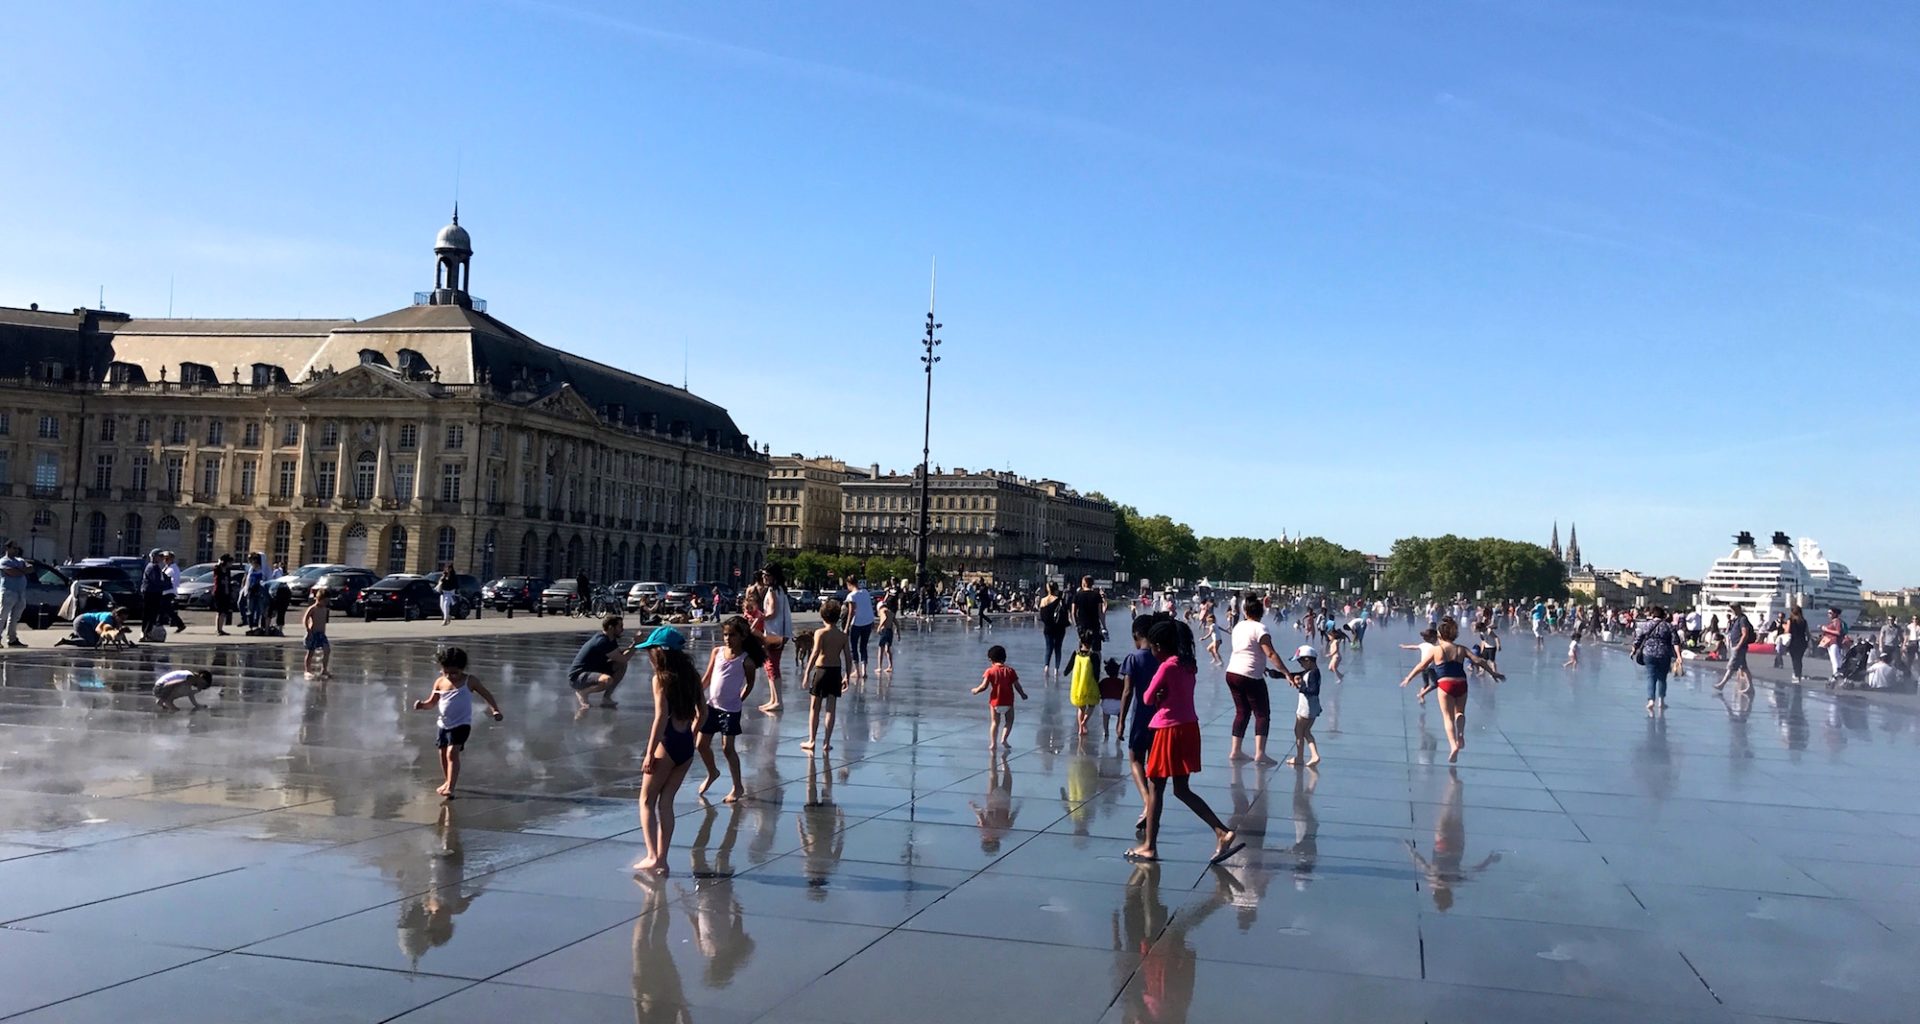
(600, 664)
(1089, 609)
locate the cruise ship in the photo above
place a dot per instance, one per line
(1769, 580)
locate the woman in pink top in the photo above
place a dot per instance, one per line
(1175, 753)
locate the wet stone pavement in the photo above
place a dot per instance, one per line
(281, 856)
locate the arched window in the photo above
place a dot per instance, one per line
(130, 534)
(96, 535)
(203, 540)
(397, 550)
(282, 541)
(529, 552)
(443, 546)
(363, 476)
(243, 538)
(316, 544)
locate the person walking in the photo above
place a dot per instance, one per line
(1175, 753)
(255, 615)
(776, 625)
(1250, 654)
(153, 595)
(222, 595)
(1054, 617)
(1088, 615)
(1797, 640)
(448, 587)
(172, 566)
(13, 592)
(1833, 637)
(860, 616)
(1656, 646)
(1739, 634)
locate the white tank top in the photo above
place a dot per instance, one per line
(729, 681)
(456, 707)
(1248, 657)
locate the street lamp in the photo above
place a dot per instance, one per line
(927, 359)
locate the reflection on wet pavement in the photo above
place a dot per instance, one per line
(281, 856)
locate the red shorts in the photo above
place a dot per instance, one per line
(1175, 751)
(1457, 687)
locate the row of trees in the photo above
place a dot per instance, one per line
(1159, 549)
(812, 570)
(1449, 565)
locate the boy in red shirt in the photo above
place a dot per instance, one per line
(1000, 683)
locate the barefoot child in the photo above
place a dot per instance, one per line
(1175, 754)
(1429, 680)
(826, 674)
(1573, 651)
(180, 683)
(1111, 686)
(883, 638)
(1000, 682)
(729, 679)
(314, 621)
(1307, 681)
(677, 714)
(1138, 668)
(1085, 690)
(453, 694)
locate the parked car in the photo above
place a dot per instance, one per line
(301, 587)
(343, 588)
(678, 597)
(406, 597)
(802, 600)
(644, 589)
(305, 574)
(196, 587)
(122, 588)
(47, 589)
(521, 592)
(560, 596)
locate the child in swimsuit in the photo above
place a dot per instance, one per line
(883, 637)
(453, 695)
(678, 712)
(826, 673)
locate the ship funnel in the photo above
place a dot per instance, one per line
(1781, 540)
(1743, 539)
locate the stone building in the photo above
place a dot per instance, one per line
(803, 502)
(987, 525)
(432, 433)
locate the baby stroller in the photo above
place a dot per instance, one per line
(1853, 667)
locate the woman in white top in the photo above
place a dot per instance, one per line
(776, 630)
(1247, 664)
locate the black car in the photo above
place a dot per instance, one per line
(399, 597)
(121, 587)
(343, 588)
(522, 592)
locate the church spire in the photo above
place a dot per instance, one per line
(1555, 546)
(1573, 546)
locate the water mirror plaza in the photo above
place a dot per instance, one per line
(281, 856)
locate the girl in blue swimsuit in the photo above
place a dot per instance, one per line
(678, 709)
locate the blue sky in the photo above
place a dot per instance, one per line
(1356, 269)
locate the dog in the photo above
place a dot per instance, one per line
(802, 651)
(183, 683)
(115, 636)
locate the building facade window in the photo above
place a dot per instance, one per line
(456, 437)
(450, 481)
(290, 434)
(96, 534)
(103, 470)
(109, 427)
(143, 430)
(176, 475)
(289, 475)
(203, 539)
(177, 431)
(46, 472)
(248, 470)
(216, 432)
(324, 473)
(209, 476)
(6, 422)
(243, 538)
(130, 534)
(250, 435)
(363, 476)
(141, 463)
(397, 550)
(329, 434)
(49, 428)
(6, 467)
(282, 541)
(409, 436)
(443, 547)
(403, 479)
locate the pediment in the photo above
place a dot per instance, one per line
(566, 403)
(363, 382)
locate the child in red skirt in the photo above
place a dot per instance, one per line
(1175, 753)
